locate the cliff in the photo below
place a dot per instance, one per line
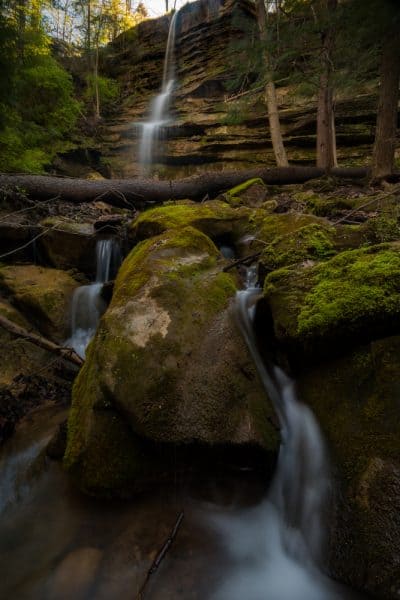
(211, 128)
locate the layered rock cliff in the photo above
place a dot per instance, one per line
(211, 128)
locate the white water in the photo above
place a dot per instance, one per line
(151, 130)
(87, 303)
(277, 548)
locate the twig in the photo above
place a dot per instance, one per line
(67, 353)
(160, 556)
(39, 235)
(241, 261)
(371, 201)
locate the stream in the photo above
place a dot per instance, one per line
(239, 540)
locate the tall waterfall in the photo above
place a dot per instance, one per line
(159, 106)
(278, 547)
(87, 303)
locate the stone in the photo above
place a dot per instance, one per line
(68, 244)
(42, 294)
(168, 319)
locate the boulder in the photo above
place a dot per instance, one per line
(68, 244)
(167, 366)
(42, 294)
(350, 298)
(356, 400)
(214, 218)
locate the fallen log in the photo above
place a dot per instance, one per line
(66, 353)
(137, 192)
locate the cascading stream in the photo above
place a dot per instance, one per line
(87, 303)
(151, 130)
(279, 545)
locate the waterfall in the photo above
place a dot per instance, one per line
(159, 107)
(87, 303)
(278, 547)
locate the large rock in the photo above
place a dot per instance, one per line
(352, 297)
(330, 322)
(356, 400)
(68, 244)
(214, 218)
(43, 295)
(167, 366)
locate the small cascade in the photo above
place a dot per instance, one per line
(278, 547)
(151, 130)
(87, 303)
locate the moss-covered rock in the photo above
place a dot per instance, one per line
(18, 356)
(43, 295)
(252, 193)
(353, 296)
(167, 358)
(214, 218)
(356, 398)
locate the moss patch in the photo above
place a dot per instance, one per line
(213, 218)
(43, 295)
(354, 293)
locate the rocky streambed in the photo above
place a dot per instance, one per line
(169, 392)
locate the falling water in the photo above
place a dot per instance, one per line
(159, 107)
(87, 303)
(278, 547)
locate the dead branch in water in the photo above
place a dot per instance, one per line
(66, 353)
(160, 555)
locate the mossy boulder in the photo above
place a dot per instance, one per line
(68, 244)
(214, 218)
(18, 356)
(252, 193)
(42, 295)
(167, 365)
(354, 296)
(356, 400)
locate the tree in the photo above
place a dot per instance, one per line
(326, 138)
(270, 91)
(387, 113)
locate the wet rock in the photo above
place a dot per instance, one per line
(42, 294)
(355, 398)
(68, 244)
(352, 297)
(109, 223)
(56, 447)
(214, 218)
(168, 319)
(75, 576)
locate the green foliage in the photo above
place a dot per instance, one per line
(108, 89)
(37, 105)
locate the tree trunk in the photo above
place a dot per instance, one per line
(66, 353)
(138, 192)
(270, 92)
(326, 138)
(386, 122)
(96, 82)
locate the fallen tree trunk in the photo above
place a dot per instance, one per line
(137, 192)
(66, 353)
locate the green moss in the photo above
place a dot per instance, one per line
(355, 292)
(355, 285)
(212, 218)
(238, 190)
(311, 242)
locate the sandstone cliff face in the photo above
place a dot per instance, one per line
(209, 129)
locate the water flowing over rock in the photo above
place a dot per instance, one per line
(159, 107)
(283, 540)
(207, 132)
(168, 318)
(87, 302)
